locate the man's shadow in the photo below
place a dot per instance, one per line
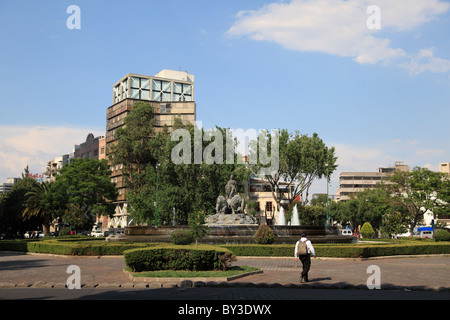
(319, 279)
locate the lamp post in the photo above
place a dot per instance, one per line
(156, 202)
(328, 207)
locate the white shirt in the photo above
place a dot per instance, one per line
(309, 247)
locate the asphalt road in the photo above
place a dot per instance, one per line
(218, 294)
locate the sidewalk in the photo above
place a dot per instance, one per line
(404, 273)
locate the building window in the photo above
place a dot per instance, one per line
(182, 92)
(165, 108)
(121, 91)
(161, 90)
(269, 207)
(140, 89)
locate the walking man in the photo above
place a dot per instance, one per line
(303, 251)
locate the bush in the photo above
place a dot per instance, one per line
(441, 235)
(182, 237)
(264, 235)
(367, 230)
(67, 247)
(201, 258)
(342, 250)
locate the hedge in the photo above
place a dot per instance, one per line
(175, 257)
(66, 247)
(98, 248)
(343, 251)
(182, 237)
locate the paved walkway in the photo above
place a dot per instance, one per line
(430, 273)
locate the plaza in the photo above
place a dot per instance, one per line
(401, 277)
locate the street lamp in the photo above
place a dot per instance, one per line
(156, 202)
(328, 207)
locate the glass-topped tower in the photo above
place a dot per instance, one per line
(170, 93)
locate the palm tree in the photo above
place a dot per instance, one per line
(38, 203)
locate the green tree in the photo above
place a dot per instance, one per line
(186, 187)
(367, 230)
(138, 149)
(312, 215)
(302, 159)
(320, 201)
(12, 205)
(416, 191)
(86, 184)
(75, 216)
(39, 203)
(346, 212)
(197, 226)
(394, 223)
(442, 211)
(137, 145)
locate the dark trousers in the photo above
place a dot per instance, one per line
(306, 262)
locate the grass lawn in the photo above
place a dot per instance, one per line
(233, 271)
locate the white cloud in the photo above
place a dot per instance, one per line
(337, 27)
(35, 146)
(357, 158)
(425, 61)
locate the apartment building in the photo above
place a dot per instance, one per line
(8, 185)
(350, 183)
(171, 95)
(90, 149)
(53, 166)
(444, 167)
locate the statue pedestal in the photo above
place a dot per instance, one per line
(230, 219)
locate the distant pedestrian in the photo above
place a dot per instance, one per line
(303, 251)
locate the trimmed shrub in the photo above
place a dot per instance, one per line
(264, 235)
(343, 250)
(441, 235)
(182, 237)
(200, 258)
(367, 230)
(66, 247)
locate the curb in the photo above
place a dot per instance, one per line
(196, 279)
(216, 284)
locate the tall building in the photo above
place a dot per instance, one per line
(350, 183)
(444, 167)
(171, 95)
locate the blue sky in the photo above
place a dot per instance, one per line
(377, 95)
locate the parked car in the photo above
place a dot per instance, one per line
(33, 234)
(346, 232)
(97, 233)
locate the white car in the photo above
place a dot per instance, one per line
(97, 233)
(346, 232)
(31, 234)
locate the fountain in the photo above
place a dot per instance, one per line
(295, 221)
(231, 225)
(281, 220)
